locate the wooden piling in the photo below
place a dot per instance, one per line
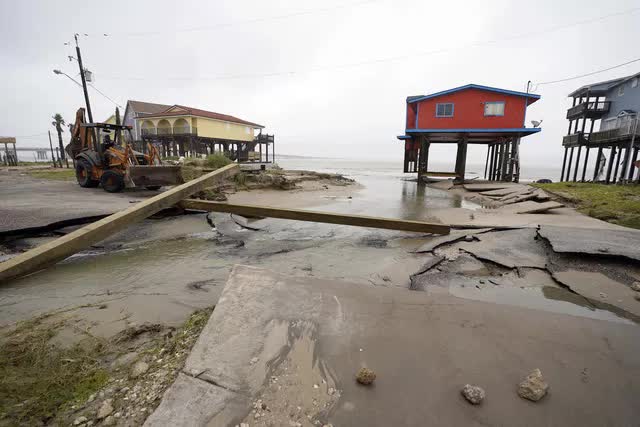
(564, 160)
(612, 159)
(586, 161)
(575, 171)
(569, 165)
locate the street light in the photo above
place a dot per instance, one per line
(66, 75)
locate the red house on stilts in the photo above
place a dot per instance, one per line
(470, 114)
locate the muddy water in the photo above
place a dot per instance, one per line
(162, 270)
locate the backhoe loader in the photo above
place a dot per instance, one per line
(112, 163)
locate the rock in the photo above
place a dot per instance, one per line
(365, 376)
(138, 369)
(109, 421)
(636, 286)
(253, 361)
(79, 421)
(533, 387)
(637, 297)
(468, 238)
(105, 409)
(91, 398)
(473, 394)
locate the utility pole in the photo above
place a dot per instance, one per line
(53, 156)
(84, 81)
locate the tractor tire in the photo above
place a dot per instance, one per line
(83, 174)
(112, 181)
(153, 187)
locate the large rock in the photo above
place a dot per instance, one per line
(533, 387)
(138, 369)
(473, 393)
(105, 409)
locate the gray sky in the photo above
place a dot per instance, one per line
(328, 78)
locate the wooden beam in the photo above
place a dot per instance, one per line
(315, 216)
(59, 249)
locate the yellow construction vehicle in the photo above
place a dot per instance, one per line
(112, 163)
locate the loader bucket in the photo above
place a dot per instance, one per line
(145, 176)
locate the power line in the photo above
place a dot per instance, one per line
(587, 74)
(103, 94)
(393, 58)
(31, 136)
(248, 21)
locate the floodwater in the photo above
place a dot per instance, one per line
(162, 270)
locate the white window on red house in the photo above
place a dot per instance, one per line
(444, 110)
(494, 108)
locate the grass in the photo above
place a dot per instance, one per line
(216, 161)
(54, 174)
(40, 381)
(37, 378)
(618, 204)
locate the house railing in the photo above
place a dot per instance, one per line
(624, 131)
(179, 130)
(575, 139)
(600, 107)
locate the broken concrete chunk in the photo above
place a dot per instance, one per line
(530, 207)
(138, 369)
(449, 238)
(473, 394)
(533, 387)
(105, 409)
(622, 242)
(365, 376)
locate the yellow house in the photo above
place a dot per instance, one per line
(181, 120)
(181, 130)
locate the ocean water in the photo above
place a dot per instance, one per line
(393, 169)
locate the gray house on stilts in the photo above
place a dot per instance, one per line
(604, 116)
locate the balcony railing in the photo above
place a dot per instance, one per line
(623, 131)
(179, 130)
(575, 139)
(589, 108)
(185, 130)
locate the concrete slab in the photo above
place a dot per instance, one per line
(511, 249)
(600, 289)
(29, 202)
(530, 207)
(495, 218)
(506, 191)
(490, 186)
(192, 401)
(619, 242)
(454, 236)
(423, 347)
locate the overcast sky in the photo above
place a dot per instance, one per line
(328, 78)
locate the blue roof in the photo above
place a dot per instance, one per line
(411, 99)
(475, 130)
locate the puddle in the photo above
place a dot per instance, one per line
(546, 298)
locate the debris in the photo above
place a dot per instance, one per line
(621, 242)
(450, 238)
(468, 238)
(109, 421)
(533, 387)
(365, 376)
(105, 409)
(253, 361)
(473, 393)
(138, 369)
(79, 421)
(530, 207)
(635, 286)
